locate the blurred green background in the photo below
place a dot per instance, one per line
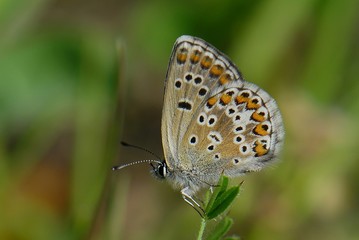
(76, 77)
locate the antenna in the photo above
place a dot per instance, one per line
(140, 148)
(133, 163)
(138, 162)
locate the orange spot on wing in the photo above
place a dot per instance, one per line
(181, 57)
(260, 149)
(225, 98)
(225, 78)
(216, 70)
(212, 101)
(195, 56)
(258, 117)
(261, 129)
(253, 104)
(241, 99)
(206, 62)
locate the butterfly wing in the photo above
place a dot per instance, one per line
(187, 87)
(213, 121)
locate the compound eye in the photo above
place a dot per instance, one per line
(162, 171)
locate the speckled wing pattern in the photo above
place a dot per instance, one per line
(213, 121)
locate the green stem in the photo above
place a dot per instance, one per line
(201, 229)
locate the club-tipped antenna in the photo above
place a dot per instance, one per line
(134, 163)
(140, 148)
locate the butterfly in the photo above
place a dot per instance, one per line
(213, 121)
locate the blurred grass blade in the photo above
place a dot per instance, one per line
(232, 238)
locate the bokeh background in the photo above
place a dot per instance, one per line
(77, 77)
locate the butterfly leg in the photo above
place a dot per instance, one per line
(186, 194)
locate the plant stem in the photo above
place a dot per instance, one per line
(201, 229)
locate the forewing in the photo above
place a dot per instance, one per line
(195, 70)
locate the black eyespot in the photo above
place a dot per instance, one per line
(202, 92)
(201, 119)
(265, 127)
(238, 139)
(178, 84)
(244, 148)
(188, 77)
(230, 93)
(231, 111)
(185, 105)
(239, 128)
(193, 140)
(245, 94)
(235, 161)
(211, 121)
(215, 137)
(210, 147)
(198, 80)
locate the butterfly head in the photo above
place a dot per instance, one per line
(160, 170)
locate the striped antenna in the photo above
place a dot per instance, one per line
(134, 163)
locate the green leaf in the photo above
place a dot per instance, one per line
(221, 229)
(222, 202)
(219, 190)
(223, 182)
(218, 202)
